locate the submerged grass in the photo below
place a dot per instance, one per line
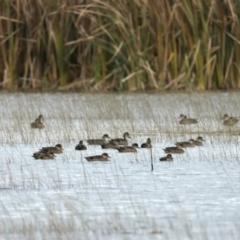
(119, 45)
(67, 197)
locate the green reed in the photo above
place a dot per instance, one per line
(119, 45)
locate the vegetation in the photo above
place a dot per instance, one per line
(119, 44)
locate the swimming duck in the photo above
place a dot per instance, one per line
(103, 157)
(105, 137)
(122, 141)
(229, 121)
(43, 155)
(57, 149)
(38, 123)
(132, 148)
(147, 144)
(177, 149)
(199, 141)
(81, 146)
(111, 144)
(167, 158)
(184, 120)
(186, 144)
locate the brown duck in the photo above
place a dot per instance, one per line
(101, 141)
(167, 158)
(38, 123)
(199, 141)
(122, 141)
(111, 144)
(186, 144)
(103, 157)
(126, 149)
(57, 149)
(43, 155)
(177, 149)
(147, 144)
(81, 146)
(185, 121)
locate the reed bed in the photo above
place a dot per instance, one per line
(119, 45)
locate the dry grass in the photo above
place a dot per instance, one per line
(119, 45)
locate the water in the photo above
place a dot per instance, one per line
(194, 197)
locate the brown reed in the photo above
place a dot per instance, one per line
(119, 44)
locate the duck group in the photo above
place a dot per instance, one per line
(120, 144)
(229, 120)
(179, 148)
(47, 153)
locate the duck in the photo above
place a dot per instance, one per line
(38, 122)
(177, 149)
(186, 144)
(57, 149)
(184, 120)
(111, 144)
(167, 158)
(122, 141)
(81, 146)
(103, 157)
(147, 144)
(229, 121)
(199, 141)
(43, 155)
(98, 141)
(125, 149)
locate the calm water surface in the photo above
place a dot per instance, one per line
(197, 196)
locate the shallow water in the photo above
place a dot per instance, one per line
(194, 197)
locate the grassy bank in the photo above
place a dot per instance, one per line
(119, 44)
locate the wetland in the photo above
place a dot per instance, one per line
(196, 196)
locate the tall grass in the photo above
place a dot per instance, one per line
(119, 45)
